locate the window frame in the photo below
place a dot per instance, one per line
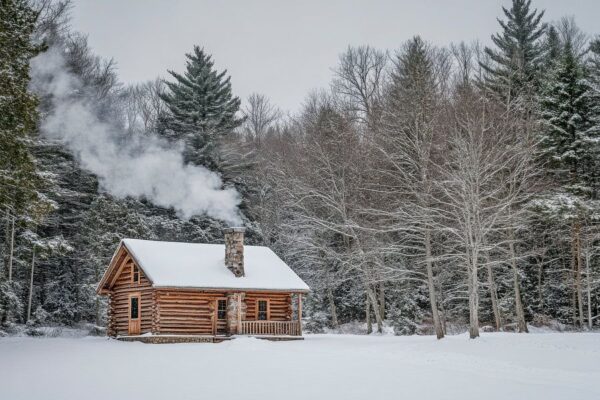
(134, 270)
(217, 308)
(268, 311)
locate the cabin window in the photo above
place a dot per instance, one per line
(134, 309)
(135, 275)
(263, 310)
(222, 309)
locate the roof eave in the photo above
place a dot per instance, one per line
(225, 289)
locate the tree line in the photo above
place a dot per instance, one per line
(440, 187)
(430, 189)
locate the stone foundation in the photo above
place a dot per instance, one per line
(158, 339)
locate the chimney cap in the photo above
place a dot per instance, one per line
(234, 229)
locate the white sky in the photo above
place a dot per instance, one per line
(284, 48)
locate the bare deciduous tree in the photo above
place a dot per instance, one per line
(260, 116)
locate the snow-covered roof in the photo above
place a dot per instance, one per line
(197, 265)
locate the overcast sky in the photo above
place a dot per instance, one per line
(281, 48)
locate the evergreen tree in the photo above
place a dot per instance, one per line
(202, 109)
(516, 60)
(594, 64)
(552, 47)
(593, 72)
(570, 142)
(18, 116)
(570, 136)
(20, 200)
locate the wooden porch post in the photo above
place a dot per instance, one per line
(239, 314)
(300, 313)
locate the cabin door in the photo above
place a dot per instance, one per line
(135, 320)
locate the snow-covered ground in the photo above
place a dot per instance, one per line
(496, 366)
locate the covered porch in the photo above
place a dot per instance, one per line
(259, 323)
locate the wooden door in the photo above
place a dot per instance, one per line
(135, 313)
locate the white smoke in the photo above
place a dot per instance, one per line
(138, 166)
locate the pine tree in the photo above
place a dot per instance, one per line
(593, 80)
(202, 109)
(552, 47)
(568, 114)
(594, 64)
(20, 200)
(515, 61)
(18, 116)
(570, 142)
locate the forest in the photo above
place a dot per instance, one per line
(428, 189)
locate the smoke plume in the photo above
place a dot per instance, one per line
(142, 166)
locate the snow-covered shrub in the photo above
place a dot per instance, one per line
(40, 316)
(11, 306)
(402, 318)
(34, 332)
(95, 330)
(317, 322)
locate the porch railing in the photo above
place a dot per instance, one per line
(284, 328)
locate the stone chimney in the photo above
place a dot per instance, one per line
(234, 250)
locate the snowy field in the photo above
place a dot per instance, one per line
(496, 366)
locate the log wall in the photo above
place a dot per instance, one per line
(280, 305)
(186, 312)
(118, 310)
(192, 312)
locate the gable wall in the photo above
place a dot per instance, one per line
(118, 309)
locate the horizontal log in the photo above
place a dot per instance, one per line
(196, 295)
(185, 314)
(206, 329)
(183, 318)
(146, 309)
(143, 303)
(185, 304)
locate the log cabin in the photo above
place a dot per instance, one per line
(180, 292)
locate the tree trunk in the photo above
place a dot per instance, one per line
(437, 326)
(5, 245)
(382, 300)
(493, 294)
(30, 286)
(578, 276)
(368, 314)
(97, 302)
(11, 250)
(540, 288)
(371, 296)
(521, 323)
(576, 264)
(473, 297)
(334, 318)
(589, 289)
(442, 309)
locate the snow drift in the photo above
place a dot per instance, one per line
(498, 366)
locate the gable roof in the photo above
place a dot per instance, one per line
(197, 265)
